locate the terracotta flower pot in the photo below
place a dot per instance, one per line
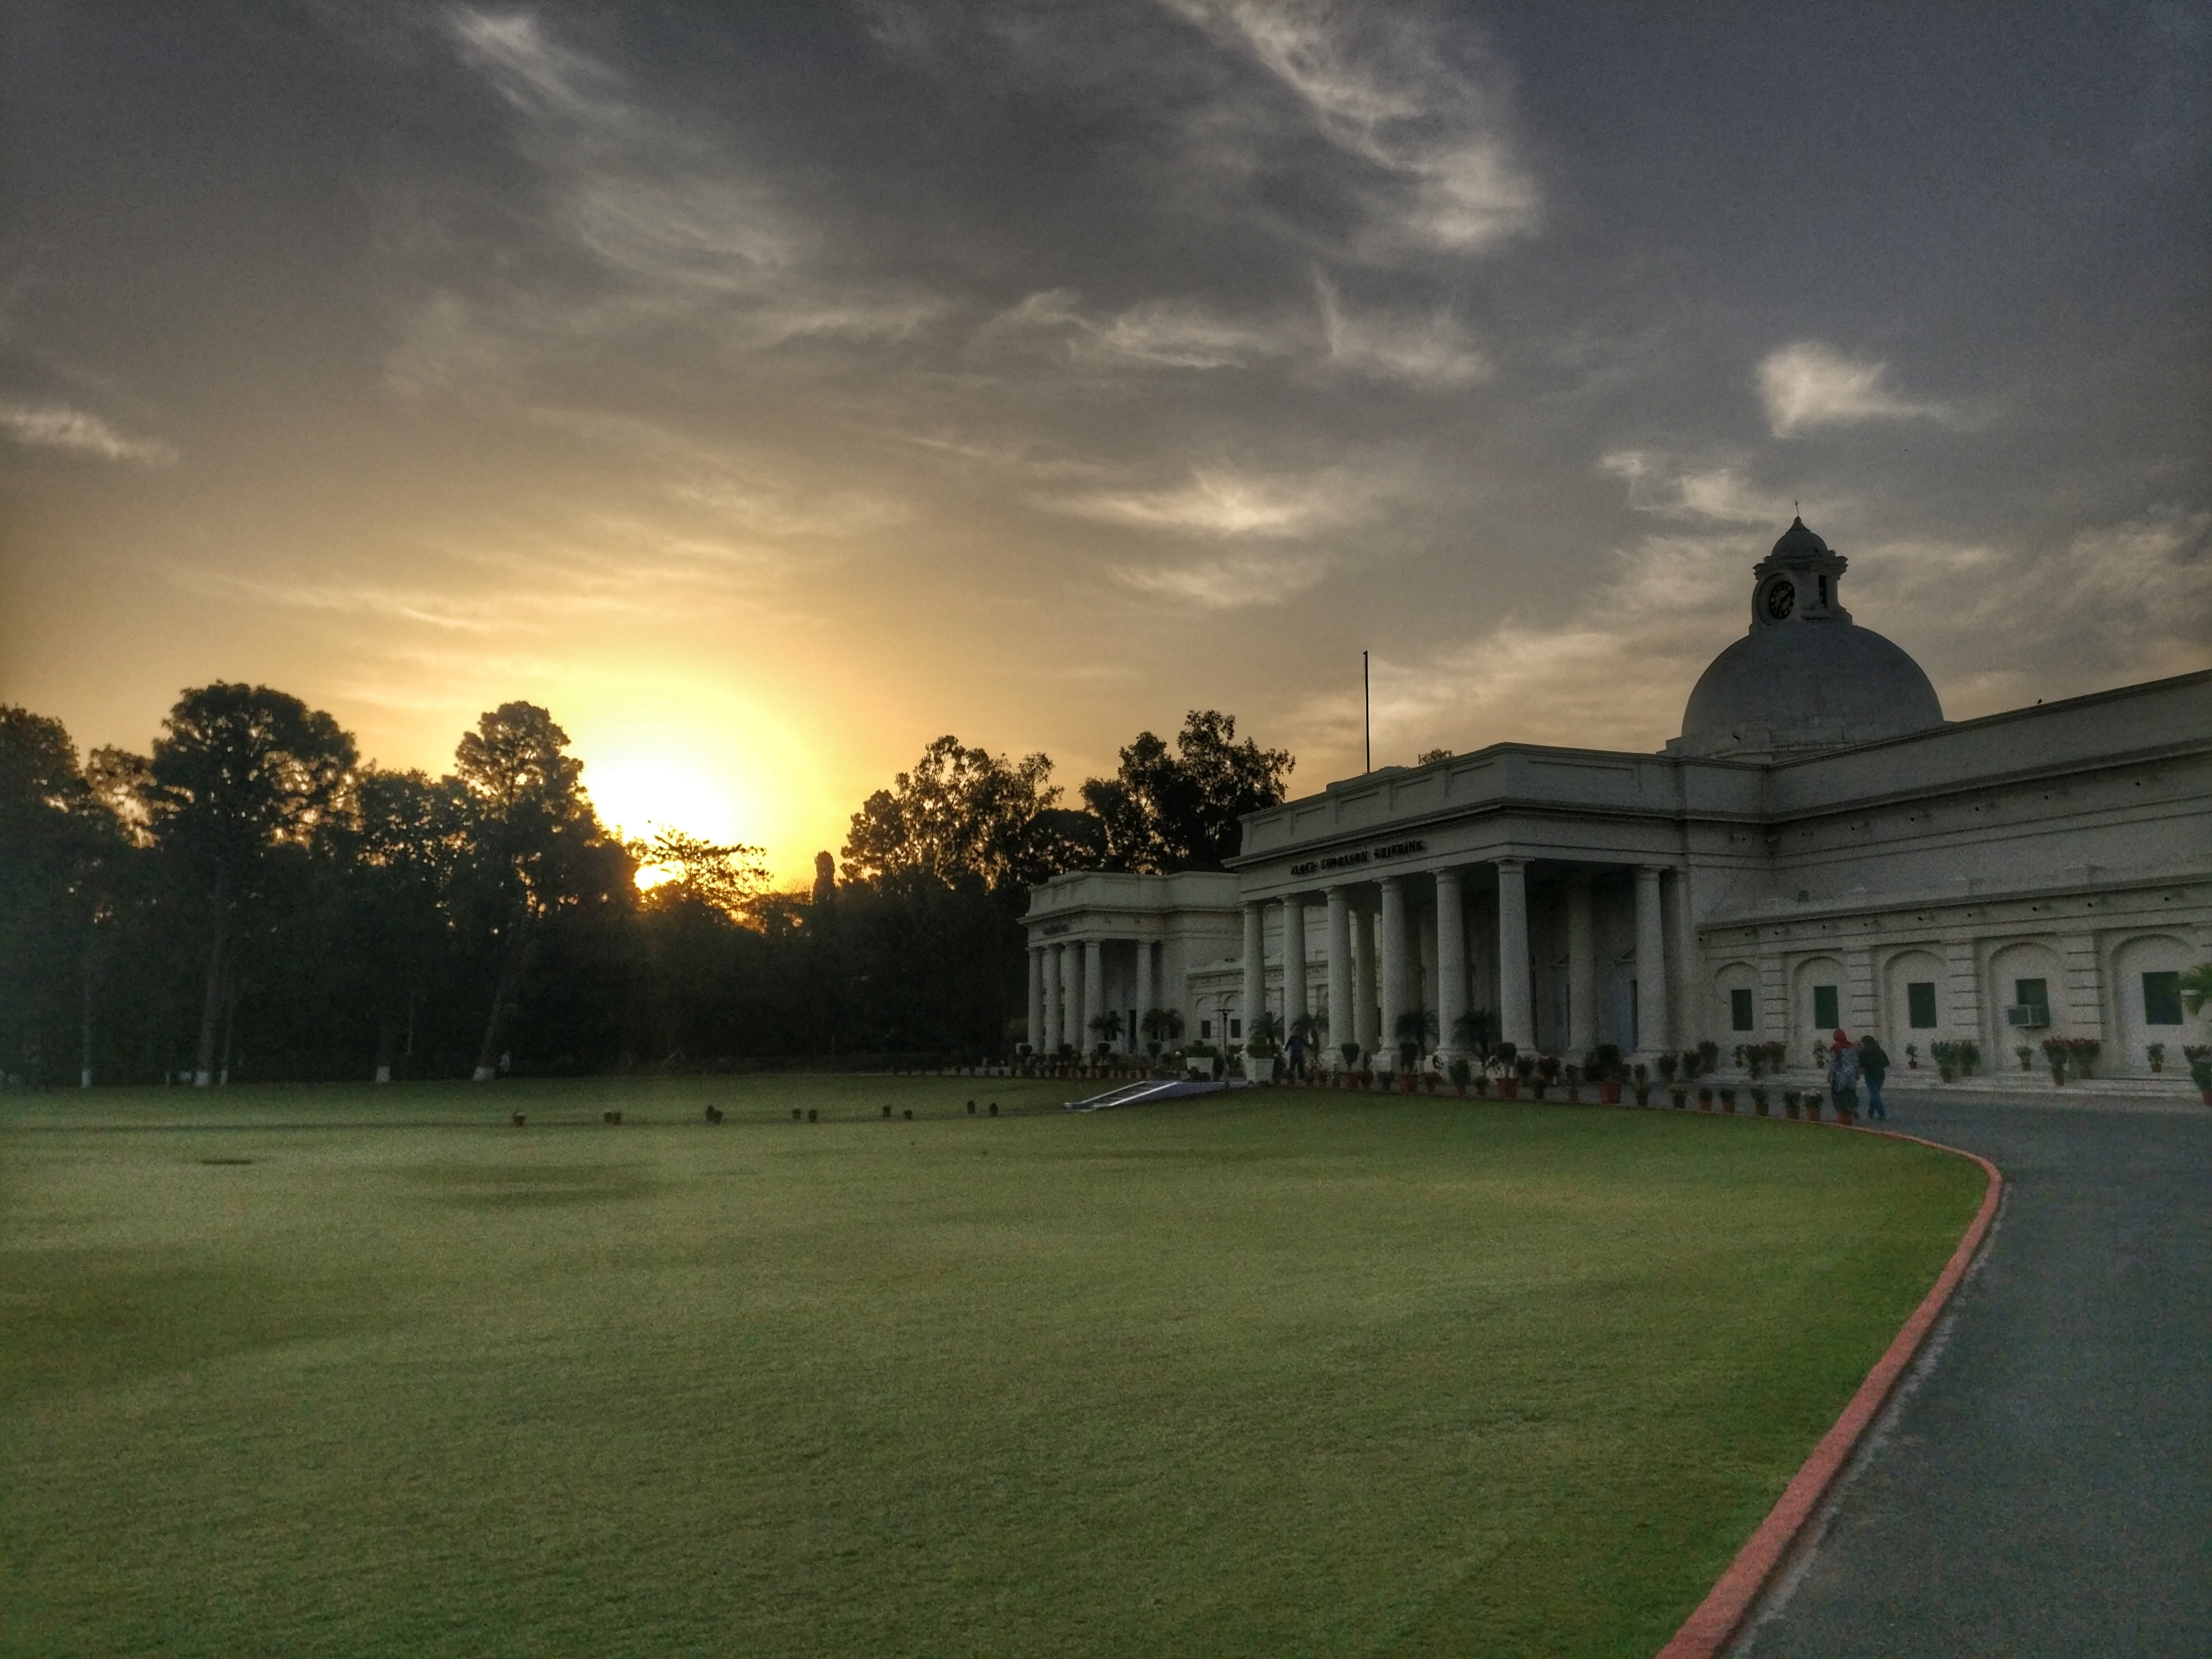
(1509, 1088)
(1608, 1094)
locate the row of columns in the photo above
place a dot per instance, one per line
(1357, 958)
(1067, 991)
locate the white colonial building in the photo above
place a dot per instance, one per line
(1818, 848)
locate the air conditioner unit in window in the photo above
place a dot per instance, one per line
(2032, 1014)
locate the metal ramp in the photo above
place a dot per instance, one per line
(1144, 1093)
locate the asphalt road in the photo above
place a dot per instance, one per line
(2043, 1484)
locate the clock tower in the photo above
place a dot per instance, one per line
(1797, 582)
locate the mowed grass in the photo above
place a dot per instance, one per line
(345, 1371)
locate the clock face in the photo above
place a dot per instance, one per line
(1781, 600)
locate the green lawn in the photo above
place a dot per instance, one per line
(1288, 1373)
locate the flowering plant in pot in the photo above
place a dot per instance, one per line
(2156, 1055)
(1911, 1060)
(1759, 1098)
(2054, 1051)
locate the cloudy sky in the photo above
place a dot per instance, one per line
(768, 390)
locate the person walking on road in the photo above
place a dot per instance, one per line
(1843, 1073)
(1874, 1066)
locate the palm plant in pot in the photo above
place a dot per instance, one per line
(1472, 1034)
(1603, 1066)
(1263, 1041)
(1460, 1071)
(1415, 1030)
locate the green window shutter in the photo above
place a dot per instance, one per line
(1920, 1004)
(1825, 1012)
(2161, 999)
(1740, 1011)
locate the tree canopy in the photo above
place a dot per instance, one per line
(1165, 812)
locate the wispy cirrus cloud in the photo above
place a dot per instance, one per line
(1222, 584)
(1433, 352)
(1431, 125)
(1807, 383)
(1659, 485)
(74, 432)
(1154, 334)
(1220, 503)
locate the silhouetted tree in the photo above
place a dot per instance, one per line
(1163, 811)
(240, 772)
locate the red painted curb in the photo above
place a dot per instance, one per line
(1721, 1614)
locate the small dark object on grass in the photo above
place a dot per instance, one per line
(909, 1113)
(714, 1115)
(810, 1114)
(994, 1109)
(887, 1109)
(227, 1160)
(515, 1118)
(971, 1108)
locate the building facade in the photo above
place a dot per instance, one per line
(1818, 848)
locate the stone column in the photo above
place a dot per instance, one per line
(1652, 1021)
(1341, 1029)
(1148, 993)
(1256, 967)
(1582, 967)
(2082, 988)
(1056, 998)
(1451, 954)
(1516, 1006)
(1392, 949)
(1363, 978)
(1692, 1003)
(1037, 998)
(1294, 961)
(1094, 987)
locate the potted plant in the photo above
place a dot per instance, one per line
(1812, 1098)
(2054, 1051)
(1670, 1064)
(2200, 1073)
(1415, 1029)
(1911, 1060)
(1547, 1073)
(1792, 1103)
(1704, 1096)
(1460, 1071)
(1945, 1056)
(2156, 1055)
(1970, 1056)
(1642, 1076)
(1726, 1092)
(1709, 1058)
(1603, 1066)
(1570, 1077)
(1524, 1073)
(1759, 1098)
(2027, 1056)
(2083, 1052)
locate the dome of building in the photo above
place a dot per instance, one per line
(1806, 676)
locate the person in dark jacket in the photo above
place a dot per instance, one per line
(1873, 1066)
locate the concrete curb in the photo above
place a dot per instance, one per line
(1719, 1617)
